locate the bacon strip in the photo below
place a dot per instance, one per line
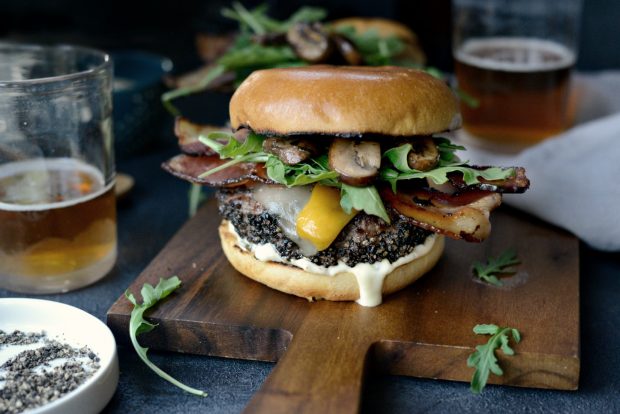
(188, 133)
(190, 168)
(516, 184)
(460, 216)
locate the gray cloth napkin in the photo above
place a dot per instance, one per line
(575, 176)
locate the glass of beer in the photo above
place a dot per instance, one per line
(514, 58)
(57, 204)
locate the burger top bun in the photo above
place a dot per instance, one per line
(386, 28)
(345, 101)
(383, 27)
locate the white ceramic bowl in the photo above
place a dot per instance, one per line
(77, 328)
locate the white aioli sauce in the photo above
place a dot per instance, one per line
(369, 276)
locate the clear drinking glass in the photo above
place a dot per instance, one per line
(515, 58)
(57, 203)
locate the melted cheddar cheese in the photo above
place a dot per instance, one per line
(322, 218)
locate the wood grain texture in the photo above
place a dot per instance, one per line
(325, 349)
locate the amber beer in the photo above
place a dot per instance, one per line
(57, 224)
(522, 87)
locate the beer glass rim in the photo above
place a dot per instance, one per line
(103, 59)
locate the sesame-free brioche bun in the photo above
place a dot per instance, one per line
(341, 287)
(386, 28)
(344, 100)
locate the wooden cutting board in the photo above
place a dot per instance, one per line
(324, 349)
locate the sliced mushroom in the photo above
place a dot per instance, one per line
(424, 154)
(357, 162)
(347, 50)
(310, 41)
(290, 151)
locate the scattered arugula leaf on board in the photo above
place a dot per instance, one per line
(503, 264)
(484, 360)
(138, 325)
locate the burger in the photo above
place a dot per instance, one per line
(338, 183)
(304, 38)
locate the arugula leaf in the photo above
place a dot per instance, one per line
(488, 272)
(259, 22)
(440, 175)
(138, 325)
(362, 198)
(248, 151)
(246, 18)
(447, 151)
(276, 170)
(304, 173)
(434, 72)
(483, 359)
(447, 157)
(304, 14)
(467, 98)
(251, 150)
(376, 50)
(255, 55)
(258, 157)
(234, 148)
(397, 156)
(196, 197)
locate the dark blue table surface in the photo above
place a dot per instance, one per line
(155, 210)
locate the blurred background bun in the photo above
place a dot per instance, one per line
(386, 28)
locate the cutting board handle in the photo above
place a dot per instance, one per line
(322, 371)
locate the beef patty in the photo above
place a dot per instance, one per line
(366, 239)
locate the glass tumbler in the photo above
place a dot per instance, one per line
(57, 203)
(515, 59)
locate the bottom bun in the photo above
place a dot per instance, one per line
(342, 286)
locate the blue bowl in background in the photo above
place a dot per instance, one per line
(138, 111)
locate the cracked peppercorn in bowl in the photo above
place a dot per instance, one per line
(54, 359)
(336, 182)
